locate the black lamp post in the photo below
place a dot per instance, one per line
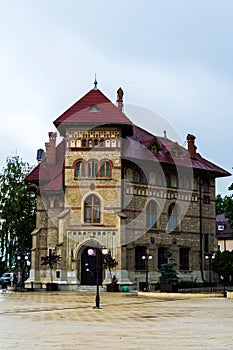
(23, 263)
(147, 257)
(210, 256)
(104, 251)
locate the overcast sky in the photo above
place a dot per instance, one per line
(173, 57)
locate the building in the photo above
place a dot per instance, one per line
(224, 233)
(111, 184)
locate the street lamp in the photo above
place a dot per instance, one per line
(210, 256)
(23, 263)
(147, 257)
(93, 252)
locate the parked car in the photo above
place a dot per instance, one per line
(6, 278)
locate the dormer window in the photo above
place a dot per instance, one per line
(154, 148)
(220, 227)
(94, 108)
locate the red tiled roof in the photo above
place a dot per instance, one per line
(135, 146)
(93, 108)
(49, 177)
(144, 138)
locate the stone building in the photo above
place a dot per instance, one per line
(224, 233)
(111, 184)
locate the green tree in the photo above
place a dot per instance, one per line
(224, 205)
(223, 265)
(17, 211)
(219, 200)
(228, 207)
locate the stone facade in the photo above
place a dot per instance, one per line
(94, 196)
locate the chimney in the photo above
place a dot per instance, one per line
(51, 149)
(40, 155)
(120, 94)
(191, 145)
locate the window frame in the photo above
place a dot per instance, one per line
(90, 210)
(151, 215)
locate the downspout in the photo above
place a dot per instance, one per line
(201, 232)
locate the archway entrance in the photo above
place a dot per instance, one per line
(89, 266)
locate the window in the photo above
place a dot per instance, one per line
(162, 256)
(136, 176)
(154, 148)
(95, 142)
(89, 143)
(140, 264)
(151, 215)
(92, 168)
(173, 217)
(80, 169)
(144, 179)
(102, 143)
(184, 258)
(56, 203)
(92, 209)
(105, 170)
(84, 143)
(168, 181)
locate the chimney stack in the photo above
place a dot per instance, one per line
(40, 155)
(191, 145)
(51, 149)
(120, 94)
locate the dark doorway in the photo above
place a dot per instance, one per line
(89, 267)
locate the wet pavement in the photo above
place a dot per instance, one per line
(67, 320)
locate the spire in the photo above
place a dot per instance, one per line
(95, 83)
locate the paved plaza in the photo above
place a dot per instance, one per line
(62, 320)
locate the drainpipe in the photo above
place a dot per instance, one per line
(201, 233)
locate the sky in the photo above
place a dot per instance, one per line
(171, 57)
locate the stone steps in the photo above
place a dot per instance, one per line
(90, 289)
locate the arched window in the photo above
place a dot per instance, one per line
(144, 178)
(92, 168)
(105, 169)
(89, 143)
(102, 143)
(84, 143)
(151, 215)
(136, 176)
(168, 181)
(173, 217)
(80, 169)
(95, 142)
(92, 209)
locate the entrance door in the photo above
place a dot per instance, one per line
(89, 266)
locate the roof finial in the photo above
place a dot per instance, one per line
(95, 83)
(165, 133)
(120, 94)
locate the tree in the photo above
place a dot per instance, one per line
(17, 212)
(169, 275)
(219, 201)
(223, 265)
(50, 261)
(225, 206)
